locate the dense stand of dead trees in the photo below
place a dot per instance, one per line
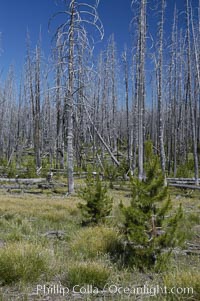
(100, 104)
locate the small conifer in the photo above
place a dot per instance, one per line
(149, 235)
(98, 204)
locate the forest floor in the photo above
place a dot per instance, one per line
(44, 251)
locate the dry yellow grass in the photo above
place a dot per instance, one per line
(92, 242)
(27, 205)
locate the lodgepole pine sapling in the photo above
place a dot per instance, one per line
(149, 235)
(98, 204)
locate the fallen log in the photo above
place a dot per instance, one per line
(45, 186)
(184, 186)
(23, 181)
(192, 252)
(181, 179)
(40, 186)
(182, 182)
(54, 234)
(193, 246)
(32, 192)
(11, 187)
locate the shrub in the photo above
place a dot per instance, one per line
(46, 166)
(11, 170)
(124, 167)
(185, 227)
(186, 170)
(22, 263)
(98, 203)
(31, 167)
(111, 172)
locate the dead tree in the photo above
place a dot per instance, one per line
(73, 36)
(140, 78)
(33, 81)
(58, 56)
(126, 82)
(36, 109)
(189, 96)
(160, 89)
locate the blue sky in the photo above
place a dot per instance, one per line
(16, 16)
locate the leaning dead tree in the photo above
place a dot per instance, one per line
(73, 36)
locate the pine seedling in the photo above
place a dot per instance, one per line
(98, 204)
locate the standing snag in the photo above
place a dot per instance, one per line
(73, 37)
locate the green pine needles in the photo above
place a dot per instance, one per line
(98, 204)
(150, 234)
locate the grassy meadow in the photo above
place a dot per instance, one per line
(44, 247)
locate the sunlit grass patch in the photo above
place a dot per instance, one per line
(87, 273)
(24, 263)
(94, 241)
(186, 281)
(15, 228)
(37, 206)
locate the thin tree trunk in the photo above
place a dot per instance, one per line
(160, 91)
(141, 89)
(189, 94)
(69, 103)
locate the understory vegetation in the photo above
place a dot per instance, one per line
(114, 230)
(43, 239)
